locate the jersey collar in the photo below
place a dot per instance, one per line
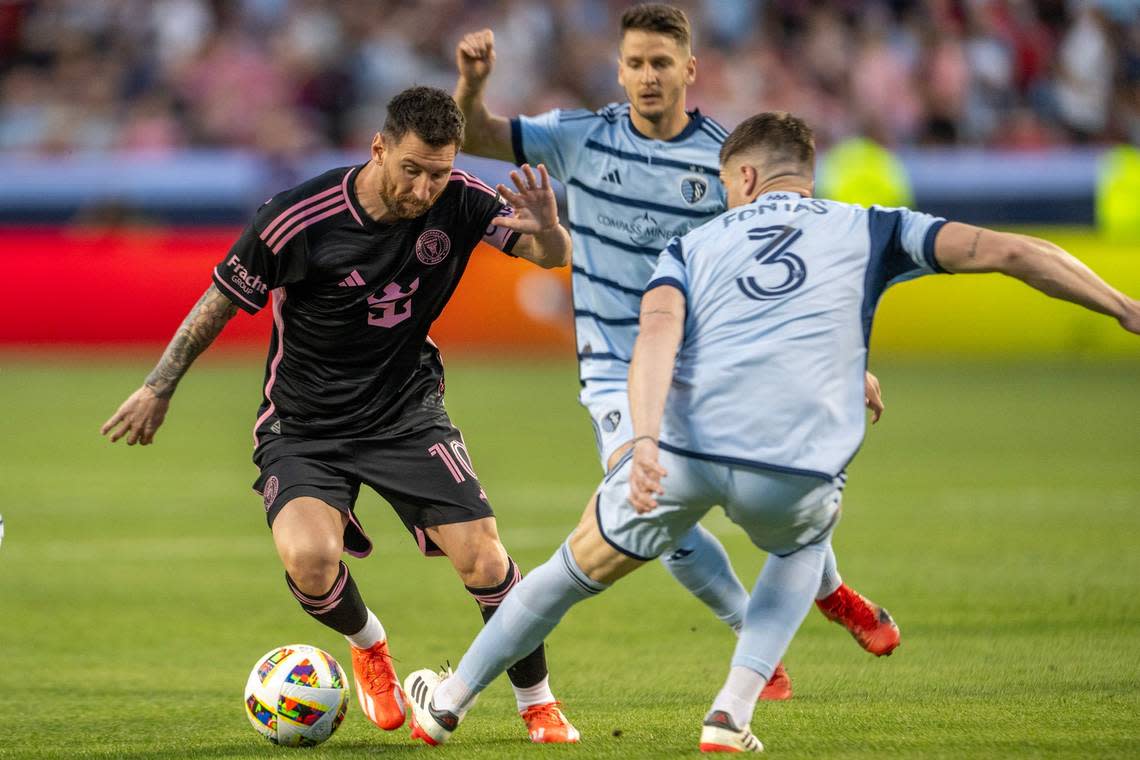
(359, 213)
(695, 119)
(786, 195)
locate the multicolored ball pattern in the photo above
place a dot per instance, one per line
(296, 695)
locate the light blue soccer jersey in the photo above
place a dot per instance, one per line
(780, 297)
(628, 195)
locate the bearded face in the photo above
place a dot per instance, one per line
(412, 174)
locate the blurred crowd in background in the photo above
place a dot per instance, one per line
(290, 76)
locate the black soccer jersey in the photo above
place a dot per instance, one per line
(353, 300)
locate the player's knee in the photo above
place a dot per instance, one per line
(313, 564)
(486, 566)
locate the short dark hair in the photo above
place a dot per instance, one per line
(429, 112)
(783, 137)
(659, 18)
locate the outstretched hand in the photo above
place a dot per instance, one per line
(536, 209)
(138, 418)
(475, 55)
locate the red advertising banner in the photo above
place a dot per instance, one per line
(129, 286)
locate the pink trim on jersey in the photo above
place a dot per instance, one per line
(421, 541)
(309, 211)
(352, 519)
(458, 175)
(309, 223)
(221, 281)
(296, 206)
(344, 190)
(494, 600)
(279, 323)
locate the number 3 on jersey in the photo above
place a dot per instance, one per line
(780, 238)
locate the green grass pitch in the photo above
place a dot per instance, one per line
(995, 510)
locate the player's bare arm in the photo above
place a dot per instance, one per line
(486, 134)
(544, 241)
(873, 396)
(650, 373)
(1038, 263)
(139, 417)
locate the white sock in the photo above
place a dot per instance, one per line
(739, 694)
(453, 695)
(371, 634)
(830, 581)
(539, 694)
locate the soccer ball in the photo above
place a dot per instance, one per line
(296, 695)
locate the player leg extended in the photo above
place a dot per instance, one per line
(310, 537)
(697, 561)
(791, 517)
(586, 564)
(430, 481)
(489, 574)
(440, 700)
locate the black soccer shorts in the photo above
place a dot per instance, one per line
(426, 476)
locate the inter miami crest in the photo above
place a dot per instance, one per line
(693, 189)
(432, 246)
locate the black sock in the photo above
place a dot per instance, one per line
(340, 608)
(531, 669)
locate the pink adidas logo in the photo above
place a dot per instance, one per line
(353, 280)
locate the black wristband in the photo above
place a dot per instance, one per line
(642, 438)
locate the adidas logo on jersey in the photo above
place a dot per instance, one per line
(613, 177)
(354, 280)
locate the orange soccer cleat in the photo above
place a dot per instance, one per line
(377, 686)
(779, 686)
(546, 724)
(870, 624)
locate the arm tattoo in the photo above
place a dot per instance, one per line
(194, 335)
(974, 245)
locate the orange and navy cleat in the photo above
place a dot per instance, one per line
(870, 624)
(779, 686)
(546, 724)
(720, 734)
(377, 686)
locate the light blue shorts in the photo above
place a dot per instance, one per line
(780, 512)
(608, 405)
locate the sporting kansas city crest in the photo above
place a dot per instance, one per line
(693, 189)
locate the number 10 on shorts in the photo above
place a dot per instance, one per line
(454, 456)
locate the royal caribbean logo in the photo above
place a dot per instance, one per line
(432, 246)
(693, 189)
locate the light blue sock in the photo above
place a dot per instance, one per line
(525, 618)
(830, 580)
(699, 563)
(779, 603)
